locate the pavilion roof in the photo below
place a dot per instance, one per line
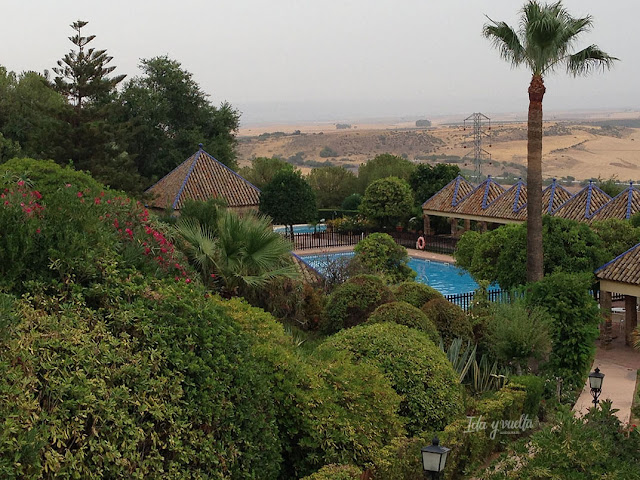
(510, 204)
(476, 202)
(583, 204)
(622, 206)
(625, 268)
(201, 177)
(447, 198)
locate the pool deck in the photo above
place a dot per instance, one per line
(439, 257)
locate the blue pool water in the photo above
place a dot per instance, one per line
(444, 277)
(303, 228)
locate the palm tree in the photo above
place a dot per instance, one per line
(244, 253)
(543, 43)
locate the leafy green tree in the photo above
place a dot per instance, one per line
(288, 199)
(543, 43)
(380, 254)
(331, 185)
(574, 328)
(352, 202)
(387, 201)
(426, 180)
(170, 115)
(617, 236)
(500, 255)
(263, 169)
(32, 117)
(383, 166)
(609, 186)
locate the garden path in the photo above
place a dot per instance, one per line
(620, 365)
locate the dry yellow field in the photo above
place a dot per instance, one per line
(579, 149)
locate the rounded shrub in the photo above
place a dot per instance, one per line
(336, 472)
(417, 294)
(418, 370)
(162, 385)
(352, 302)
(403, 313)
(329, 409)
(380, 254)
(450, 320)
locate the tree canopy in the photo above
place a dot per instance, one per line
(382, 166)
(332, 185)
(426, 180)
(263, 169)
(288, 199)
(387, 201)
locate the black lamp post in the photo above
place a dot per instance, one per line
(595, 382)
(434, 458)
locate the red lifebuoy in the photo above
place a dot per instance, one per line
(420, 243)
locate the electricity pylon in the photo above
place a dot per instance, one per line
(481, 131)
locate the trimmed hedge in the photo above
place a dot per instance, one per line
(329, 410)
(352, 302)
(534, 386)
(450, 320)
(403, 313)
(418, 370)
(336, 472)
(417, 294)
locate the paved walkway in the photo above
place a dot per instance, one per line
(619, 365)
(439, 257)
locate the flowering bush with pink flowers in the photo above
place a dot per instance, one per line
(71, 233)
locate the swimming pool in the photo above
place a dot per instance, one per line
(444, 277)
(321, 227)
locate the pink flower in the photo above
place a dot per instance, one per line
(68, 185)
(20, 183)
(79, 194)
(37, 230)
(129, 232)
(97, 201)
(37, 194)
(188, 280)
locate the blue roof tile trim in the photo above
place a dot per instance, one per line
(455, 180)
(186, 177)
(551, 195)
(588, 205)
(487, 187)
(617, 258)
(454, 200)
(516, 199)
(629, 201)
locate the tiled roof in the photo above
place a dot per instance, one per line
(480, 198)
(553, 196)
(625, 268)
(309, 274)
(511, 204)
(623, 205)
(583, 204)
(449, 196)
(202, 177)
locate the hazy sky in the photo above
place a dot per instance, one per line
(305, 60)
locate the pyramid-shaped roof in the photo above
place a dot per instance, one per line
(625, 268)
(554, 196)
(583, 204)
(510, 204)
(201, 177)
(622, 206)
(480, 198)
(449, 195)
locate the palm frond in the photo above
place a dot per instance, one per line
(201, 246)
(505, 39)
(589, 59)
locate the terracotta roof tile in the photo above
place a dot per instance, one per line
(449, 196)
(622, 206)
(583, 204)
(511, 204)
(309, 274)
(625, 268)
(202, 177)
(479, 198)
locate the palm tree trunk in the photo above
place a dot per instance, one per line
(534, 180)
